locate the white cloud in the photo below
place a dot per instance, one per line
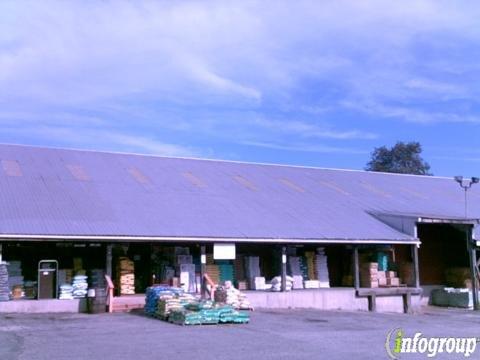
(83, 52)
(159, 65)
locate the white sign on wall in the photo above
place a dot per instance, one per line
(224, 251)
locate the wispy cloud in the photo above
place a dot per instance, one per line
(411, 113)
(457, 158)
(311, 129)
(325, 149)
(101, 140)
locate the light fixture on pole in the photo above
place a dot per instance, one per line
(466, 184)
(472, 252)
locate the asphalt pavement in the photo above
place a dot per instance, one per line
(272, 334)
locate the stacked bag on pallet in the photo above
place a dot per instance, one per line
(186, 298)
(4, 288)
(227, 294)
(184, 309)
(229, 315)
(192, 315)
(277, 283)
(166, 305)
(184, 317)
(66, 292)
(80, 286)
(154, 293)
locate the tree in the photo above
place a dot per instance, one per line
(402, 158)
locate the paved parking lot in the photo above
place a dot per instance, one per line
(287, 334)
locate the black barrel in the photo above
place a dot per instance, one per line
(98, 303)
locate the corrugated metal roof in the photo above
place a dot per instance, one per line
(85, 193)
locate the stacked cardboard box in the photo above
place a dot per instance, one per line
(382, 278)
(242, 285)
(369, 275)
(126, 276)
(311, 284)
(388, 279)
(258, 283)
(392, 279)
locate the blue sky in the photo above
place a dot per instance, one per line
(298, 82)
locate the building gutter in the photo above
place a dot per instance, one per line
(95, 238)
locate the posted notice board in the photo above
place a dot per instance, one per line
(224, 251)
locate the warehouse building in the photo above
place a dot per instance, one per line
(144, 219)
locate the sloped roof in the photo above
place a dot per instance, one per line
(45, 191)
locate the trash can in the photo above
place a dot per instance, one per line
(47, 279)
(97, 301)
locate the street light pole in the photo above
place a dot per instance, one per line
(472, 252)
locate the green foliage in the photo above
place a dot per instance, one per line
(402, 158)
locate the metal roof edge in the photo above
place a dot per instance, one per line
(13, 237)
(423, 218)
(226, 161)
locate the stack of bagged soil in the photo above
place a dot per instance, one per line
(4, 288)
